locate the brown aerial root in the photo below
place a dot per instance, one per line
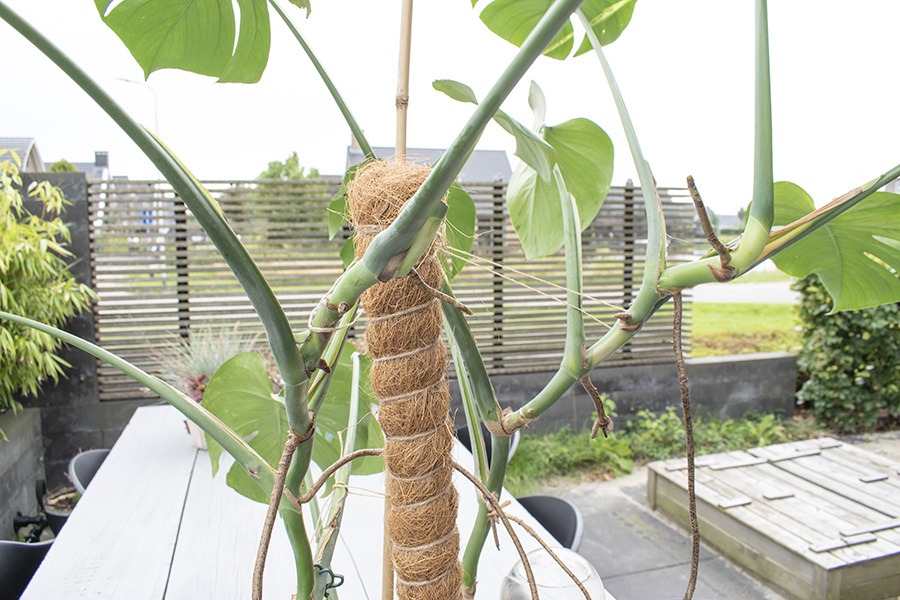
(408, 375)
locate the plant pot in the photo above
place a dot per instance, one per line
(198, 436)
(58, 504)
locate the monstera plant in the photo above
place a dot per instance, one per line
(556, 191)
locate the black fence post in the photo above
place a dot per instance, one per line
(498, 240)
(182, 284)
(629, 232)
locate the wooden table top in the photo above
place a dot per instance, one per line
(154, 524)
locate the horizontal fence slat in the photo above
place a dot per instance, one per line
(159, 277)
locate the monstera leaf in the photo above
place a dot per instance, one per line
(856, 255)
(195, 35)
(513, 20)
(460, 229)
(240, 395)
(582, 164)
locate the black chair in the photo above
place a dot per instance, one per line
(18, 562)
(462, 435)
(559, 517)
(84, 466)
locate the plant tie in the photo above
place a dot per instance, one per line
(334, 581)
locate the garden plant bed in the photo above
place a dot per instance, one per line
(817, 519)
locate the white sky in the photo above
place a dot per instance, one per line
(685, 68)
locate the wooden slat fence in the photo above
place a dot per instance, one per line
(159, 276)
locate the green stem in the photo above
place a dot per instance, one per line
(796, 231)
(386, 252)
(294, 524)
(647, 300)
(208, 214)
(355, 129)
(217, 430)
(303, 560)
(332, 353)
(647, 295)
(499, 455)
(470, 408)
(331, 526)
(465, 344)
(573, 360)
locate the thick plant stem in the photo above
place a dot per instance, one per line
(465, 344)
(402, 100)
(206, 211)
(330, 528)
(499, 454)
(698, 271)
(355, 129)
(388, 250)
(294, 524)
(762, 212)
(647, 295)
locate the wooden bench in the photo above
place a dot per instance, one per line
(817, 519)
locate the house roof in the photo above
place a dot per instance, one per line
(483, 166)
(25, 148)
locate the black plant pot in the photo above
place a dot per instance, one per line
(58, 505)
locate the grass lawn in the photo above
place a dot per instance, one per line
(732, 328)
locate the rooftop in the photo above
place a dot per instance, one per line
(483, 166)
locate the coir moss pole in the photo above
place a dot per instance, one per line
(409, 365)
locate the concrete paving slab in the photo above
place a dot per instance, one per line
(640, 556)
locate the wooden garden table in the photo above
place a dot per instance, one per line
(154, 524)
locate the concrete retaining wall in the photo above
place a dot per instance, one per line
(720, 386)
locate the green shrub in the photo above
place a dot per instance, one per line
(35, 282)
(850, 361)
(645, 438)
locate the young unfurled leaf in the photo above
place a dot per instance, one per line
(194, 35)
(584, 154)
(513, 20)
(302, 4)
(536, 153)
(460, 228)
(538, 103)
(337, 210)
(535, 211)
(856, 255)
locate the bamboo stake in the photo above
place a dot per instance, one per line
(387, 565)
(402, 101)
